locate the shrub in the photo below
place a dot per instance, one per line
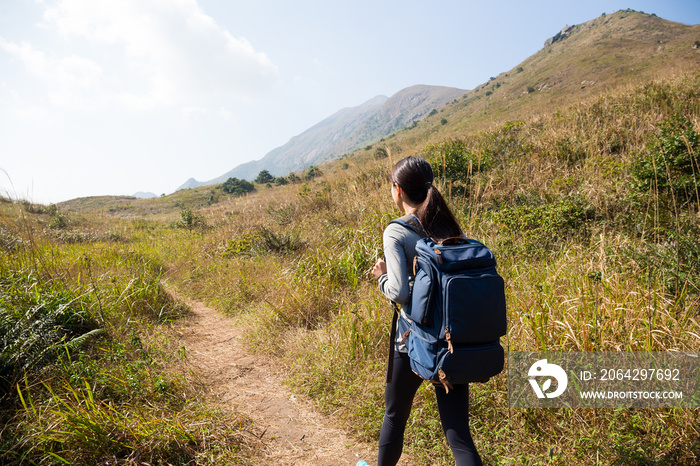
(264, 177)
(237, 187)
(670, 168)
(535, 228)
(58, 222)
(507, 142)
(454, 162)
(263, 241)
(312, 172)
(189, 220)
(380, 153)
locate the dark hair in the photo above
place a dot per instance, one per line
(415, 178)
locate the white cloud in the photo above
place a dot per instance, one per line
(142, 54)
(189, 113)
(224, 114)
(69, 81)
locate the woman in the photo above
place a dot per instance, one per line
(413, 192)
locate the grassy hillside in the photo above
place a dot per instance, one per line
(626, 48)
(592, 208)
(594, 258)
(90, 368)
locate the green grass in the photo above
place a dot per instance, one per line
(589, 263)
(88, 363)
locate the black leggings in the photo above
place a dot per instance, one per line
(453, 408)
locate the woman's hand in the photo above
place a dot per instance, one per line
(379, 268)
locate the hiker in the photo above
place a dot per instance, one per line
(414, 193)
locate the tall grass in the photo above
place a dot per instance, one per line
(590, 264)
(85, 376)
(583, 271)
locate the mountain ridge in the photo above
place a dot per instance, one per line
(579, 61)
(342, 132)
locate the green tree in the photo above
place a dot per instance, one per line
(237, 187)
(264, 177)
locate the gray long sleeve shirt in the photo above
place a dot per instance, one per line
(399, 251)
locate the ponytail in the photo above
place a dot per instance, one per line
(436, 217)
(415, 177)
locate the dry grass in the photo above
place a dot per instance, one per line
(588, 267)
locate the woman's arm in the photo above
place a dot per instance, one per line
(394, 279)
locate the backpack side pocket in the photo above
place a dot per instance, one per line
(422, 294)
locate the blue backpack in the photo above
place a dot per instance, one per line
(457, 310)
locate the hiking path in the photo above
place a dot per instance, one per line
(291, 430)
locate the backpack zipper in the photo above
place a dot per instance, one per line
(439, 255)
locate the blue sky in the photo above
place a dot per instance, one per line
(113, 97)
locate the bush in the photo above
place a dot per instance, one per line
(380, 153)
(535, 228)
(58, 222)
(237, 187)
(189, 220)
(312, 172)
(263, 241)
(670, 168)
(264, 177)
(454, 162)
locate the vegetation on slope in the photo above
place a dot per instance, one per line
(592, 212)
(598, 252)
(592, 209)
(87, 354)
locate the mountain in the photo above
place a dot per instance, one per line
(144, 195)
(344, 131)
(580, 61)
(576, 65)
(612, 51)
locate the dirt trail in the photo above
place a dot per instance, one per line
(293, 432)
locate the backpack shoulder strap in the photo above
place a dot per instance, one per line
(411, 222)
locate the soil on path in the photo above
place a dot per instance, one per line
(292, 431)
